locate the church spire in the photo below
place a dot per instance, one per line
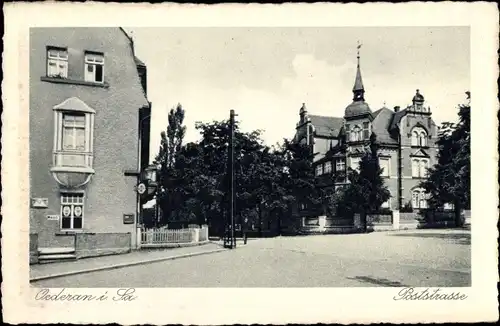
(358, 89)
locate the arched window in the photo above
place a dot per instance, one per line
(418, 137)
(356, 133)
(418, 198)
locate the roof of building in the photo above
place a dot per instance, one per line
(381, 124)
(418, 96)
(396, 119)
(358, 82)
(326, 126)
(357, 108)
(139, 62)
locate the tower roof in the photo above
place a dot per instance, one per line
(358, 107)
(358, 82)
(418, 97)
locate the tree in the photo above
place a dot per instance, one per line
(366, 191)
(449, 179)
(170, 146)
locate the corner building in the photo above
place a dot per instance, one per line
(406, 138)
(87, 108)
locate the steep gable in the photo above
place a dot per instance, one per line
(381, 126)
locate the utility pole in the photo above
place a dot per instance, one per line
(231, 177)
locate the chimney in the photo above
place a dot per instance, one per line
(396, 109)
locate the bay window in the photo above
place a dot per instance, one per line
(73, 142)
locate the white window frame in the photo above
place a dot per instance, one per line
(57, 57)
(357, 133)
(419, 198)
(419, 167)
(340, 165)
(328, 167)
(73, 157)
(73, 126)
(92, 60)
(72, 204)
(448, 206)
(385, 173)
(367, 129)
(319, 169)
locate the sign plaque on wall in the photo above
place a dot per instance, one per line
(39, 202)
(128, 218)
(52, 217)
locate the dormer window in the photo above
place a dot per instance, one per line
(57, 63)
(94, 67)
(418, 137)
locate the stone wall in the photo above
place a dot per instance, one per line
(100, 244)
(33, 248)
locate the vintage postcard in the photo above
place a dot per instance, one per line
(241, 164)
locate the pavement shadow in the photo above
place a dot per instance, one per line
(460, 238)
(378, 281)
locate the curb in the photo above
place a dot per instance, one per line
(142, 262)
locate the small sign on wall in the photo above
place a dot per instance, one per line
(128, 218)
(39, 202)
(52, 217)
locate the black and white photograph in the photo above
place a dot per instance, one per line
(324, 157)
(248, 156)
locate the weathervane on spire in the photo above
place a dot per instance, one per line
(359, 47)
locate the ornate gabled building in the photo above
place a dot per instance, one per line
(406, 140)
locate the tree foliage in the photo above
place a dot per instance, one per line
(449, 179)
(366, 190)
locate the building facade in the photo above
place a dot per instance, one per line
(406, 138)
(89, 118)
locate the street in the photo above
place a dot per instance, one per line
(419, 258)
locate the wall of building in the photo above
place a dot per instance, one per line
(408, 122)
(109, 194)
(321, 146)
(392, 180)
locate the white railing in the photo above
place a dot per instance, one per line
(164, 237)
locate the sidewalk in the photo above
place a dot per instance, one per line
(47, 271)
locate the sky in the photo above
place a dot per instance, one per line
(265, 74)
